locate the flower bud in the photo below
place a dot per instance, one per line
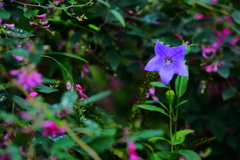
(170, 96)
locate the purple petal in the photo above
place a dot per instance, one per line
(166, 74)
(154, 64)
(161, 50)
(178, 52)
(180, 68)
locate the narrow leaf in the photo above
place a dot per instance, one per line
(95, 98)
(181, 85)
(189, 155)
(118, 16)
(68, 55)
(152, 108)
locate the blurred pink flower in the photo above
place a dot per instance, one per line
(209, 49)
(234, 41)
(84, 70)
(42, 16)
(214, 66)
(79, 89)
(181, 158)
(1, 20)
(10, 25)
(199, 16)
(31, 23)
(28, 78)
(151, 94)
(213, 2)
(68, 85)
(1, 3)
(132, 151)
(50, 128)
(25, 115)
(44, 22)
(63, 112)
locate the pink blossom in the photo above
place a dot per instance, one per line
(234, 41)
(10, 25)
(79, 87)
(214, 66)
(132, 151)
(1, 3)
(24, 154)
(18, 58)
(33, 94)
(50, 128)
(151, 94)
(84, 70)
(25, 115)
(181, 158)
(199, 16)
(44, 22)
(213, 2)
(42, 16)
(68, 84)
(31, 23)
(28, 78)
(209, 49)
(229, 19)
(1, 20)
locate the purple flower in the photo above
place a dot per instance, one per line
(1, 3)
(68, 84)
(31, 23)
(10, 25)
(28, 78)
(42, 16)
(168, 61)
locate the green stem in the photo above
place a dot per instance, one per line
(170, 120)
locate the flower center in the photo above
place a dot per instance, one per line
(167, 61)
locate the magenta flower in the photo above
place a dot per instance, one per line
(10, 25)
(79, 89)
(50, 128)
(42, 16)
(151, 94)
(28, 78)
(31, 23)
(1, 4)
(209, 49)
(199, 16)
(213, 2)
(132, 151)
(168, 61)
(1, 20)
(214, 66)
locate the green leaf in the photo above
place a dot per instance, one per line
(146, 134)
(27, 15)
(20, 101)
(14, 150)
(181, 85)
(113, 60)
(189, 155)
(4, 15)
(223, 71)
(22, 52)
(158, 84)
(37, 55)
(68, 99)
(228, 93)
(118, 16)
(179, 137)
(158, 138)
(179, 104)
(95, 98)
(103, 2)
(217, 127)
(164, 154)
(17, 32)
(68, 55)
(45, 89)
(152, 108)
(236, 16)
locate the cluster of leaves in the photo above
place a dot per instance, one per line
(104, 45)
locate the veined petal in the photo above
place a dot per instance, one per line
(178, 52)
(180, 68)
(166, 74)
(154, 64)
(161, 50)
